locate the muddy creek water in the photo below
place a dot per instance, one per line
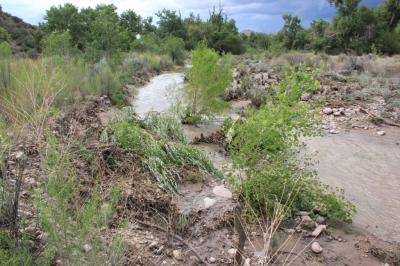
(365, 165)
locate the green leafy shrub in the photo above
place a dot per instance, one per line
(267, 146)
(57, 43)
(207, 80)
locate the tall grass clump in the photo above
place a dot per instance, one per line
(104, 79)
(36, 86)
(160, 143)
(267, 147)
(73, 228)
(208, 78)
(167, 126)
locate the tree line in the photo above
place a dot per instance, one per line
(355, 28)
(101, 31)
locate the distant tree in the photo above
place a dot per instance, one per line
(57, 43)
(148, 26)
(171, 23)
(64, 18)
(259, 40)
(132, 23)
(224, 35)
(389, 13)
(292, 35)
(107, 34)
(317, 35)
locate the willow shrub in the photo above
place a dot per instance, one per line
(267, 147)
(208, 78)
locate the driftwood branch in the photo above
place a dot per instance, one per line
(383, 120)
(176, 237)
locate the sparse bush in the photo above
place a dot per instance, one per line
(103, 79)
(69, 224)
(57, 43)
(13, 254)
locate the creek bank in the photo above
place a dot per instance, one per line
(208, 138)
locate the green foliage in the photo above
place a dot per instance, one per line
(175, 48)
(57, 44)
(5, 50)
(103, 79)
(131, 23)
(170, 23)
(163, 153)
(292, 35)
(165, 126)
(4, 36)
(267, 147)
(68, 224)
(172, 46)
(207, 80)
(356, 28)
(13, 254)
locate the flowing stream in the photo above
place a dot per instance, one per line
(365, 165)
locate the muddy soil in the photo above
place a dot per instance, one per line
(367, 167)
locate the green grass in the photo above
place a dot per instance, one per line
(162, 148)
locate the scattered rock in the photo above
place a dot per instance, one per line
(87, 248)
(302, 213)
(153, 245)
(212, 260)
(208, 202)
(381, 133)
(327, 110)
(316, 248)
(159, 250)
(232, 252)
(307, 222)
(306, 97)
(337, 113)
(177, 254)
(290, 231)
(19, 156)
(31, 182)
(334, 131)
(43, 236)
(247, 262)
(320, 228)
(223, 192)
(320, 219)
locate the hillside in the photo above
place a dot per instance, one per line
(22, 34)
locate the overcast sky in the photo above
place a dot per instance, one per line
(258, 15)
